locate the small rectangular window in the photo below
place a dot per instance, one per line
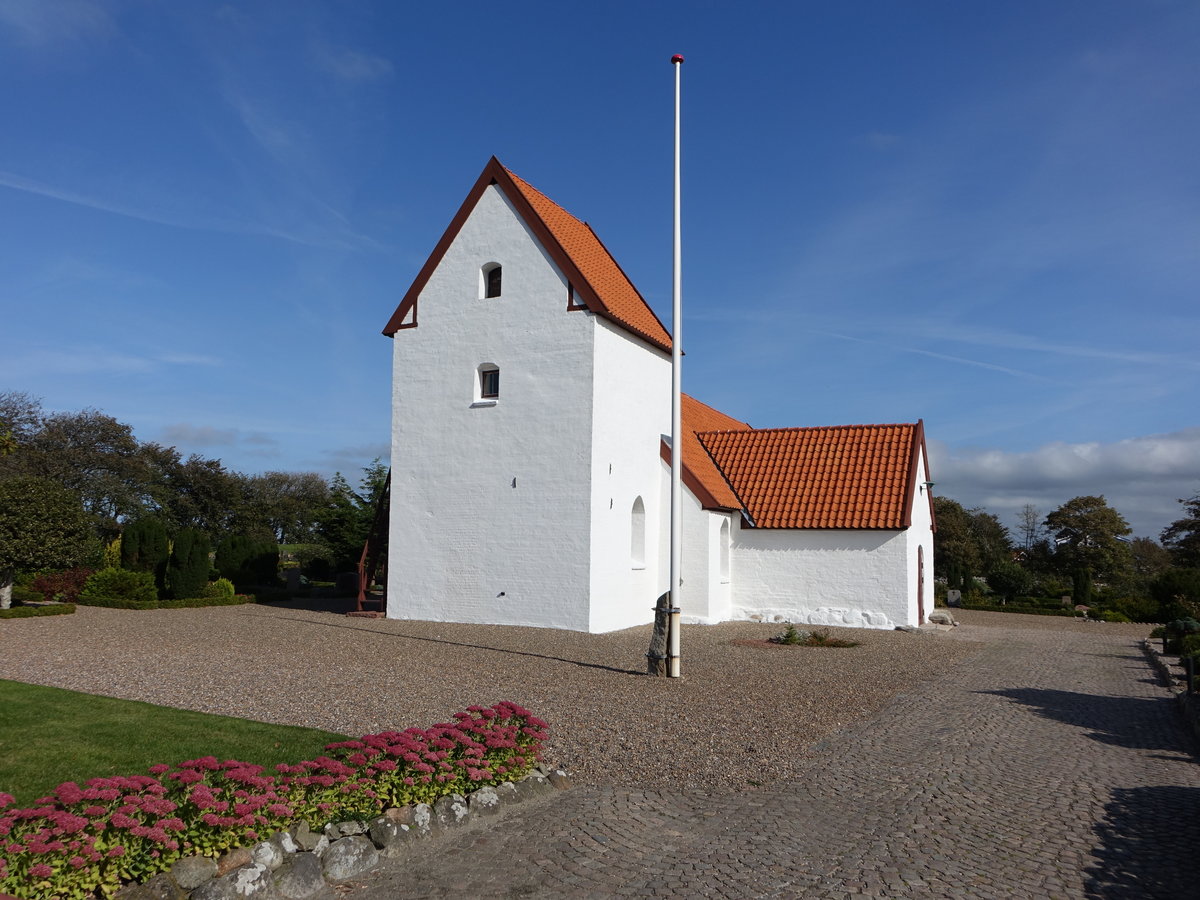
(493, 282)
(489, 384)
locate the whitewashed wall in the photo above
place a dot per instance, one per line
(920, 535)
(631, 407)
(705, 594)
(822, 577)
(490, 514)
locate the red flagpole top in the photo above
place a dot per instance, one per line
(676, 59)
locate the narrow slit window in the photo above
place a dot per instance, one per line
(491, 280)
(489, 383)
(637, 534)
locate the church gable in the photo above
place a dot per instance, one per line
(595, 281)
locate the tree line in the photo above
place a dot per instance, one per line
(1083, 549)
(71, 482)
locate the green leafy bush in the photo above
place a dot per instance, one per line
(120, 588)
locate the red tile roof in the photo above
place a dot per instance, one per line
(595, 276)
(700, 473)
(619, 299)
(851, 476)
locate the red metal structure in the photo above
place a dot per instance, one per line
(372, 565)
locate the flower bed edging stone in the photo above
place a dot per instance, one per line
(1173, 675)
(299, 863)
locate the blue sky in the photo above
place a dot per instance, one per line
(982, 215)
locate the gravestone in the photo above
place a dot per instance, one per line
(656, 657)
(954, 598)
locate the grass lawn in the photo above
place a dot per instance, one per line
(48, 736)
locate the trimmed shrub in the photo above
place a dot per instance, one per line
(198, 602)
(187, 569)
(220, 589)
(29, 612)
(120, 588)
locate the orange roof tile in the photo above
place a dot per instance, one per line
(596, 277)
(611, 286)
(705, 477)
(850, 476)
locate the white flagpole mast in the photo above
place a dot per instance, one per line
(676, 425)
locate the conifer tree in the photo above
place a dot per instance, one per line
(187, 570)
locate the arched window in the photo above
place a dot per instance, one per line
(637, 534)
(491, 280)
(723, 551)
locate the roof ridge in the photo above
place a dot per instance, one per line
(832, 427)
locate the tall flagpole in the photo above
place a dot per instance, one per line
(676, 425)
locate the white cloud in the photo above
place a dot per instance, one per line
(1141, 477)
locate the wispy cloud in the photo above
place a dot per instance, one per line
(207, 437)
(930, 353)
(188, 220)
(352, 65)
(40, 24)
(90, 360)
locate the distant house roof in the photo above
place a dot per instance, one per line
(597, 280)
(849, 476)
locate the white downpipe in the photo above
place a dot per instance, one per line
(676, 424)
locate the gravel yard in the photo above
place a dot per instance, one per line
(740, 715)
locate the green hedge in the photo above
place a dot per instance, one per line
(29, 612)
(186, 603)
(197, 602)
(1026, 610)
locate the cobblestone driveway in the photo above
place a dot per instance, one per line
(1051, 764)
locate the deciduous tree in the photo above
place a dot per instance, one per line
(1182, 537)
(1086, 534)
(42, 526)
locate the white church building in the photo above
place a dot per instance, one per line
(531, 411)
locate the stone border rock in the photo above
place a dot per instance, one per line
(1173, 676)
(300, 863)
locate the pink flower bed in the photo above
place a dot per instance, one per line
(83, 842)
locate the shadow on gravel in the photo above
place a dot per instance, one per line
(413, 637)
(1146, 845)
(1136, 723)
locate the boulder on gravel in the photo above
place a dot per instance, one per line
(941, 617)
